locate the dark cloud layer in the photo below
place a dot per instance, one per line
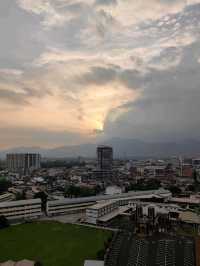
(168, 107)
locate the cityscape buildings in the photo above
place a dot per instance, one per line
(23, 163)
(104, 158)
(145, 197)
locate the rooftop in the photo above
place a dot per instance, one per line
(113, 214)
(94, 263)
(151, 193)
(190, 217)
(19, 202)
(102, 204)
(19, 263)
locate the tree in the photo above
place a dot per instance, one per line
(3, 222)
(21, 196)
(43, 196)
(175, 190)
(4, 185)
(38, 263)
(73, 191)
(100, 254)
(191, 188)
(195, 176)
(143, 184)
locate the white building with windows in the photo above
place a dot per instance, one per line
(62, 206)
(100, 209)
(7, 197)
(23, 163)
(21, 209)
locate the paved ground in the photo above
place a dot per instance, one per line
(68, 218)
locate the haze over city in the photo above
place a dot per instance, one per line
(84, 71)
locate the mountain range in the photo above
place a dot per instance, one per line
(122, 148)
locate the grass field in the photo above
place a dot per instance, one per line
(54, 244)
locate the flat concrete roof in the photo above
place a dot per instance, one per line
(19, 263)
(102, 204)
(19, 202)
(94, 263)
(151, 193)
(189, 217)
(113, 214)
(186, 200)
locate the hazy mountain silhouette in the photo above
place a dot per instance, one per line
(122, 148)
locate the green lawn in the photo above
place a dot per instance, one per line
(54, 244)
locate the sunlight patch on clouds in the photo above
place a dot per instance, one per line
(10, 71)
(59, 103)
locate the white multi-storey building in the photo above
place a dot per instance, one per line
(21, 209)
(7, 197)
(62, 206)
(23, 163)
(100, 209)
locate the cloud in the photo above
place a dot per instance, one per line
(61, 101)
(99, 76)
(99, 68)
(105, 2)
(13, 97)
(168, 105)
(54, 13)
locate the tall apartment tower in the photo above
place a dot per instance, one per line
(105, 158)
(23, 163)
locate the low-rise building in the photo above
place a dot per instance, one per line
(67, 205)
(100, 209)
(7, 197)
(94, 263)
(21, 209)
(191, 218)
(18, 263)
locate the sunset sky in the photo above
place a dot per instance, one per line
(79, 71)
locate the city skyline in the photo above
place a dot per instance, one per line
(83, 71)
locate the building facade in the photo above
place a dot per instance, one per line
(7, 197)
(104, 158)
(100, 209)
(66, 206)
(21, 209)
(23, 163)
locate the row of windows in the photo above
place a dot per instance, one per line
(21, 212)
(72, 204)
(50, 208)
(36, 213)
(66, 211)
(19, 208)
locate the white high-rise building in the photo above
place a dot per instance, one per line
(23, 163)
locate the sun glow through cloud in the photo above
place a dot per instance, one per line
(79, 68)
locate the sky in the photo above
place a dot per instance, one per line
(79, 71)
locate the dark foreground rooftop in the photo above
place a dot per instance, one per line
(128, 250)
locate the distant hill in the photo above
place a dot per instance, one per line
(122, 148)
